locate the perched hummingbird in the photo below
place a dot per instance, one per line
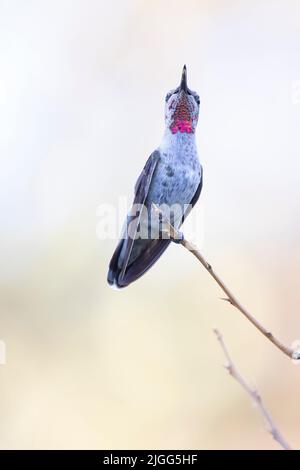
(172, 176)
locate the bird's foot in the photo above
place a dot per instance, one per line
(178, 238)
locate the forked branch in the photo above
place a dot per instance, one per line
(255, 396)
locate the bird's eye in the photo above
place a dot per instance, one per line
(172, 92)
(197, 99)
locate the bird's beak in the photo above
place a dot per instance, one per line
(183, 83)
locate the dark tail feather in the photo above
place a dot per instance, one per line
(114, 270)
(144, 262)
(153, 250)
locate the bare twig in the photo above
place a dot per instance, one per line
(253, 394)
(176, 235)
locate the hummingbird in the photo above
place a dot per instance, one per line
(171, 177)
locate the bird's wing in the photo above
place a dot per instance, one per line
(151, 250)
(122, 272)
(141, 190)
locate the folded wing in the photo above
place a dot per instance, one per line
(133, 257)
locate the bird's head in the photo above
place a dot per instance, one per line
(182, 108)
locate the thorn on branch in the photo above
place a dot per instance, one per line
(226, 299)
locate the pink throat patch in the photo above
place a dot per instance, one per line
(182, 125)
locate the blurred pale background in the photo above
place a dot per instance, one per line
(82, 87)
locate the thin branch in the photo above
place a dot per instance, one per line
(273, 430)
(230, 297)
